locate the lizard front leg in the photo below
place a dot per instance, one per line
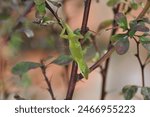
(63, 35)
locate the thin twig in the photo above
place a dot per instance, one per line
(72, 81)
(65, 42)
(84, 28)
(50, 90)
(140, 61)
(54, 13)
(104, 71)
(145, 9)
(73, 78)
(141, 15)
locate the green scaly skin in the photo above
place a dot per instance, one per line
(75, 48)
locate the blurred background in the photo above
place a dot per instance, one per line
(32, 42)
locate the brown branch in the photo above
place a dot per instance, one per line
(141, 15)
(50, 90)
(84, 28)
(54, 13)
(72, 82)
(104, 70)
(73, 78)
(144, 11)
(140, 61)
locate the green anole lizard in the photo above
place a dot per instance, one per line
(75, 48)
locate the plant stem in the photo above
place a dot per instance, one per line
(73, 78)
(144, 11)
(54, 13)
(43, 68)
(85, 16)
(104, 70)
(72, 82)
(141, 15)
(64, 42)
(140, 61)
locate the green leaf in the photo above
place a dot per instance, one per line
(122, 45)
(87, 36)
(144, 40)
(62, 60)
(117, 37)
(15, 42)
(129, 91)
(26, 80)
(137, 26)
(146, 34)
(112, 3)
(146, 20)
(141, 27)
(77, 31)
(132, 33)
(147, 46)
(104, 24)
(96, 57)
(145, 91)
(23, 67)
(132, 28)
(134, 5)
(38, 2)
(40, 7)
(121, 20)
